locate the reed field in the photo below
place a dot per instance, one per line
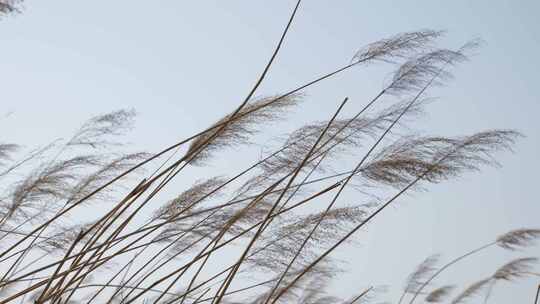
(85, 219)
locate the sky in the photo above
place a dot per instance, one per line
(182, 64)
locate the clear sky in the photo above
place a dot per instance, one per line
(182, 64)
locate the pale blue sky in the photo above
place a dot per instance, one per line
(182, 64)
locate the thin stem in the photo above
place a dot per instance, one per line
(361, 295)
(446, 266)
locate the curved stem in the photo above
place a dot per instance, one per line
(454, 261)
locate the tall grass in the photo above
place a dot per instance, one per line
(75, 225)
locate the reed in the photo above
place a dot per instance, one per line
(75, 225)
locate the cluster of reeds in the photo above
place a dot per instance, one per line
(266, 233)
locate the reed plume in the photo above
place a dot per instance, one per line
(440, 294)
(471, 291)
(237, 131)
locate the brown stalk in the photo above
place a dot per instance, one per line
(139, 190)
(45, 290)
(146, 246)
(37, 285)
(131, 197)
(235, 291)
(169, 259)
(215, 242)
(361, 295)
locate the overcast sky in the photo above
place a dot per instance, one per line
(182, 64)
